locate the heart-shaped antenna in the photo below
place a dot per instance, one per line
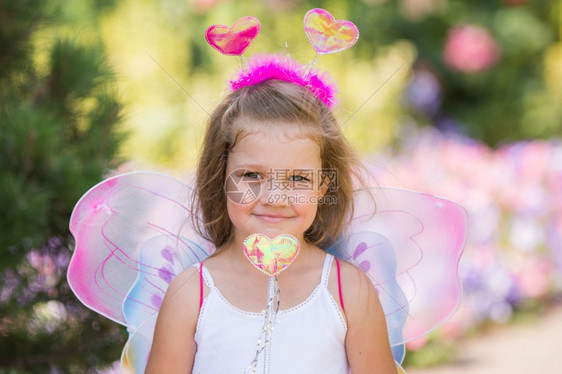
(235, 39)
(328, 35)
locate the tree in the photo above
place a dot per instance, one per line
(58, 135)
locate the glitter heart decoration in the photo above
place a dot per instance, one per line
(271, 256)
(328, 35)
(235, 39)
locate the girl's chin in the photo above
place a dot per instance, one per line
(269, 231)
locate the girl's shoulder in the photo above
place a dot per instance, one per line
(185, 286)
(353, 278)
(356, 287)
(173, 346)
(180, 307)
(367, 335)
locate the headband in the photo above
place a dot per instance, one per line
(326, 35)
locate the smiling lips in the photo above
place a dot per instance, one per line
(273, 218)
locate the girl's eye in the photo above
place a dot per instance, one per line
(251, 175)
(299, 178)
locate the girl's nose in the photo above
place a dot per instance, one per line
(275, 193)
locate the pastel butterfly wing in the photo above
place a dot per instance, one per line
(161, 259)
(137, 350)
(133, 236)
(112, 223)
(409, 244)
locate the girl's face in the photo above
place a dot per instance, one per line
(272, 180)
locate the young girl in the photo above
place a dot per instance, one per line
(281, 142)
(274, 164)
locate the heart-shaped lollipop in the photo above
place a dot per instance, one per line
(271, 256)
(328, 35)
(233, 40)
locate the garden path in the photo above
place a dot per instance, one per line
(515, 349)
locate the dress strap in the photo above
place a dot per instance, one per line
(204, 279)
(326, 275)
(339, 284)
(200, 285)
(326, 269)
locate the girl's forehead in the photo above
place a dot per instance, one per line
(275, 146)
(272, 132)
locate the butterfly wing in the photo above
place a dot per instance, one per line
(409, 244)
(133, 235)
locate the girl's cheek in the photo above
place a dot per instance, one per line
(307, 199)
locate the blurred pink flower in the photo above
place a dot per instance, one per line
(514, 198)
(416, 345)
(532, 275)
(470, 49)
(459, 324)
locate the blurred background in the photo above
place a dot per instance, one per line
(457, 98)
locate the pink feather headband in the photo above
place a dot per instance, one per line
(326, 35)
(261, 68)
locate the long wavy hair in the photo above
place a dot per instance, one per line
(286, 104)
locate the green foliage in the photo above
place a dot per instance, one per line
(511, 99)
(507, 102)
(58, 135)
(59, 117)
(436, 352)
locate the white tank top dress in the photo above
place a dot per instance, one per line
(307, 339)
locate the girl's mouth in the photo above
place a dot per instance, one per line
(273, 218)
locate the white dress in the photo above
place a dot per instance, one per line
(308, 338)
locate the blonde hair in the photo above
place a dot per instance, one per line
(281, 103)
